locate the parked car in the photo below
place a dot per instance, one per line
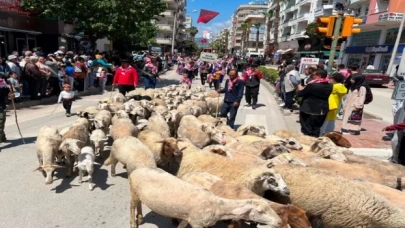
(376, 77)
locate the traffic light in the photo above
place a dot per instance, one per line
(348, 22)
(330, 25)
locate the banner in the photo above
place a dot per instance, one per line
(305, 63)
(208, 57)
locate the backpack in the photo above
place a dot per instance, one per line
(369, 96)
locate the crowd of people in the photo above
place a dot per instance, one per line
(322, 97)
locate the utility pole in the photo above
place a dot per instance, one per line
(336, 34)
(394, 51)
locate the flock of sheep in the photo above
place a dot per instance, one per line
(185, 164)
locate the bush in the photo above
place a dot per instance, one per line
(269, 75)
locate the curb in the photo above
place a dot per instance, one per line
(367, 115)
(54, 99)
(373, 152)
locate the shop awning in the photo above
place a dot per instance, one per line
(19, 30)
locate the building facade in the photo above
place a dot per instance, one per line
(379, 30)
(171, 24)
(247, 13)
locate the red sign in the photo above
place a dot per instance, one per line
(12, 6)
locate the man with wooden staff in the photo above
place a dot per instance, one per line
(233, 90)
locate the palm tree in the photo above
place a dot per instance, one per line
(193, 31)
(245, 35)
(257, 26)
(277, 20)
(267, 16)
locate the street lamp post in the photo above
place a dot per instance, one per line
(174, 31)
(394, 51)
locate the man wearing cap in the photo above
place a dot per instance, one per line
(252, 78)
(125, 77)
(13, 64)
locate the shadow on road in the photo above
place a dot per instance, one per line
(17, 142)
(158, 220)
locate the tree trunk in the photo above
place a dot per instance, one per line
(276, 22)
(267, 42)
(257, 40)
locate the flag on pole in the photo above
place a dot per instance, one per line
(206, 16)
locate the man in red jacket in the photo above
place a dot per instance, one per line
(125, 77)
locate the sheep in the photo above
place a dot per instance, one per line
(289, 214)
(211, 94)
(102, 120)
(173, 120)
(118, 98)
(98, 139)
(283, 159)
(132, 153)
(228, 131)
(121, 114)
(195, 111)
(259, 131)
(355, 172)
(164, 150)
(160, 110)
(380, 166)
(338, 139)
(135, 93)
(192, 204)
(148, 94)
(89, 112)
(185, 109)
(131, 104)
(86, 164)
(137, 113)
(215, 121)
(47, 146)
(202, 105)
(115, 107)
(341, 203)
(82, 121)
(122, 128)
(103, 106)
(158, 124)
(158, 102)
(393, 196)
(262, 149)
(148, 106)
(71, 147)
(214, 104)
(290, 143)
(256, 178)
(63, 131)
(200, 134)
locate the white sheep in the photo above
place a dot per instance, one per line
(122, 128)
(89, 112)
(121, 114)
(201, 134)
(132, 153)
(172, 197)
(82, 121)
(98, 139)
(118, 98)
(256, 130)
(344, 203)
(214, 104)
(86, 164)
(158, 124)
(71, 148)
(164, 150)
(173, 120)
(215, 121)
(47, 146)
(102, 120)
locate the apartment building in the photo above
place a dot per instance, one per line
(379, 30)
(247, 13)
(172, 24)
(295, 15)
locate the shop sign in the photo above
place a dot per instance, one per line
(375, 49)
(366, 38)
(305, 63)
(392, 36)
(370, 49)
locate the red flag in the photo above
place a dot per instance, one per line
(203, 41)
(206, 16)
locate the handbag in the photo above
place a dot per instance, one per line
(356, 116)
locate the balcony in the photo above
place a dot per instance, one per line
(303, 17)
(383, 17)
(182, 14)
(168, 14)
(255, 17)
(164, 27)
(166, 41)
(303, 2)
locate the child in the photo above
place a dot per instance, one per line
(185, 79)
(13, 80)
(66, 97)
(102, 79)
(69, 71)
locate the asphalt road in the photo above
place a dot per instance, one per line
(382, 104)
(27, 202)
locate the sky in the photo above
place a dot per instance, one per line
(225, 8)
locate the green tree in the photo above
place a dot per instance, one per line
(188, 46)
(311, 30)
(193, 32)
(114, 19)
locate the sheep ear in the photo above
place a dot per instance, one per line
(241, 210)
(86, 115)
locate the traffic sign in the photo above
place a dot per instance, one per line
(399, 92)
